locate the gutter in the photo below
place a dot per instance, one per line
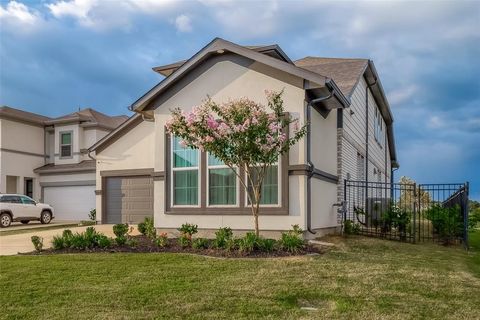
(311, 166)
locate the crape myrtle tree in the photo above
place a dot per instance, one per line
(242, 134)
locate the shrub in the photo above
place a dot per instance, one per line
(292, 240)
(121, 240)
(142, 228)
(200, 243)
(222, 236)
(161, 241)
(79, 241)
(131, 242)
(473, 218)
(93, 215)
(447, 222)
(120, 229)
(103, 241)
(248, 243)
(188, 229)
(184, 240)
(67, 237)
(266, 245)
(232, 244)
(90, 236)
(37, 242)
(58, 243)
(148, 228)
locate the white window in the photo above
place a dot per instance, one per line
(378, 127)
(185, 175)
(222, 183)
(65, 144)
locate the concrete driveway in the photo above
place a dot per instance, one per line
(19, 243)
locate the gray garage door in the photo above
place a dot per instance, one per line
(128, 199)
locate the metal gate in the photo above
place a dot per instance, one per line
(407, 212)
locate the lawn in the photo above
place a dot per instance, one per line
(360, 279)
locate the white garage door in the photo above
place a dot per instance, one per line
(70, 202)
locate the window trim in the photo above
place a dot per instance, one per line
(60, 133)
(172, 170)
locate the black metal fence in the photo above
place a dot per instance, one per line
(407, 211)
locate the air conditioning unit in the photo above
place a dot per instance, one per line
(375, 208)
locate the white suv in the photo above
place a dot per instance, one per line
(17, 207)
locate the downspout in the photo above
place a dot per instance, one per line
(311, 166)
(366, 128)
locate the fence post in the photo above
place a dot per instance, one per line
(414, 212)
(345, 206)
(465, 215)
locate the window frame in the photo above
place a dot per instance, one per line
(61, 144)
(208, 167)
(172, 169)
(243, 209)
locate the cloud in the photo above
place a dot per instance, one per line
(18, 14)
(402, 94)
(183, 23)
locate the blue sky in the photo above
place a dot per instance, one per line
(57, 56)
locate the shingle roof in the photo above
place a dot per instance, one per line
(91, 117)
(13, 113)
(86, 165)
(345, 72)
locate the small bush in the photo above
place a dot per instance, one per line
(37, 242)
(58, 243)
(93, 215)
(161, 241)
(121, 240)
(67, 237)
(78, 241)
(131, 242)
(446, 221)
(200, 243)
(266, 245)
(103, 241)
(222, 236)
(121, 231)
(142, 228)
(291, 240)
(350, 227)
(184, 241)
(248, 243)
(232, 244)
(188, 229)
(149, 228)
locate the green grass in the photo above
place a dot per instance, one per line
(360, 279)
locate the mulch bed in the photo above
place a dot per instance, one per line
(145, 245)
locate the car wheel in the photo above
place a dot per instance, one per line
(5, 220)
(25, 221)
(46, 217)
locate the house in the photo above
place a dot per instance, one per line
(47, 159)
(138, 173)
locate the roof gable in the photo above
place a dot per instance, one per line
(219, 46)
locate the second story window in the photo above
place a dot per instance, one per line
(65, 144)
(378, 127)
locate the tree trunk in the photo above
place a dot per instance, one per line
(255, 210)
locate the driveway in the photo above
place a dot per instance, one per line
(19, 243)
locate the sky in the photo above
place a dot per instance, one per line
(58, 56)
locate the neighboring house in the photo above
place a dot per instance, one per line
(142, 171)
(47, 159)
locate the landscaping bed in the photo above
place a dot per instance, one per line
(145, 245)
(224, 244)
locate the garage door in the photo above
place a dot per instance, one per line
(70, 202)
(128, 199)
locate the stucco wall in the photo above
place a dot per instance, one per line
(131, 151)
(22, 152)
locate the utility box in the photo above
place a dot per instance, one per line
(375, 209)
